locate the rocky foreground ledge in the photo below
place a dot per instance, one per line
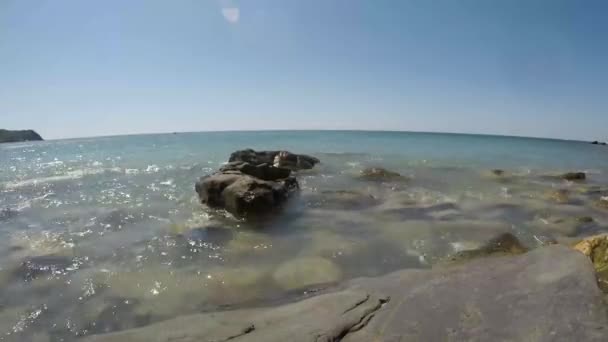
(549, 294)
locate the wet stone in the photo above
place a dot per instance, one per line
(503, 244)
(574, 176)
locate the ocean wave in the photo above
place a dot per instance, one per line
(70, 175)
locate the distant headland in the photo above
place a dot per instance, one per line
(7, 136)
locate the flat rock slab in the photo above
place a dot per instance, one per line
(549, 294)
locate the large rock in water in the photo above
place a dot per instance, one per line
(253, 183)
(549, 294)
(244, 195)
(18, 136)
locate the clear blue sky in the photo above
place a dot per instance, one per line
(71, 68)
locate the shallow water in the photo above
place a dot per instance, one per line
(105, 234)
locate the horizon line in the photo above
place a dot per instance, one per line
(315, 130)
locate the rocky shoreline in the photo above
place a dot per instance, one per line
(295, 258)
(498, 291)
(548, 294)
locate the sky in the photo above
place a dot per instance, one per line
(72, 68)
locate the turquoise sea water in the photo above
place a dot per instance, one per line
(104, 234)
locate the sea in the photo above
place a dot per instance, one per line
(105, 234)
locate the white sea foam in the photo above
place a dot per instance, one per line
(28, 203)
(70, 175)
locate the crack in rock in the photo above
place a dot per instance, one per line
(245, 331)
(366, 317)
(357, 304)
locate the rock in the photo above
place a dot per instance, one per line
(253, 157)
(473, 301)
(549, 294)
(304, 272)
(505, 243)
(281, 159)
(596, 248)
(243, 195)
(436, 241)
(262, 171)
(323, 319)
(7, 136)
(498, 172)
(249, 196)
(294, 161)
(253, 183)
(380, 174)
(574, 176)
(598, 143)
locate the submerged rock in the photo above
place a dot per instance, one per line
(380, 174)
(547, 294)
(505, 243)
(566, 225)
(304, 272)
(574, 176)
(596, 248)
